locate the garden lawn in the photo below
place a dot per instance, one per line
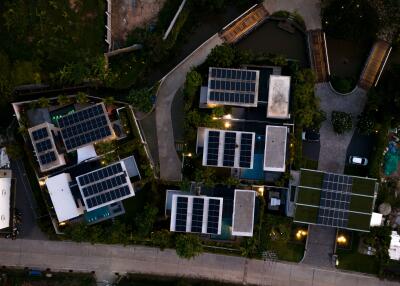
(363, 186)
(361, 204)
(311, 178)
(308, 196)
(288, 251)
(359, 221)
(306, 214)
(351, 259)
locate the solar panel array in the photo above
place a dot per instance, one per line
(181, 213)
(197, 215)
(335, 200)
(232, 149)
(195, 220)
(84, 126)
(44, 147)
(213, 216)
(105, 185)
(233, 86)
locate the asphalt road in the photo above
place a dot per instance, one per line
(106, 260)
(25, 202)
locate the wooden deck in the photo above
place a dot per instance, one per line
(374, 65)
(241, 26)
(318, 57)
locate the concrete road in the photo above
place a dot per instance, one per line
(170, 165)
(25, 202)
(106, 260)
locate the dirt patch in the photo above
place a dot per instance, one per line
(126, 15)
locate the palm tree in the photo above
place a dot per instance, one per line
(62, 99)
(43, 102)
(81, 98)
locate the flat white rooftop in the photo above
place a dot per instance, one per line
(243, 213)
(278, 97)
(5, 196)
(275, 148)
(61, 197)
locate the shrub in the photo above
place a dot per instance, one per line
(365, 124)
(141, 99)
(341, 121)
(188, 245)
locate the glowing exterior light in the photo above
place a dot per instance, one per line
(301, 233)
(227, 125)
(341, 239)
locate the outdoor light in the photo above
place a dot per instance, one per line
(42, 183)
(189, 154)
(227, 124)
(214, 118)
(62, 223)
(261, 190)
(341, 239)
(291, 144)
(301, 233)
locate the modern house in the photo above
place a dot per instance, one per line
(335, 200)
(5, 198)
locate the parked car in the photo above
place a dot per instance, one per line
(310, 135)
(355, 160)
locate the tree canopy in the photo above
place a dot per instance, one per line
(188, 245)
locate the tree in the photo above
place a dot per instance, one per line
(192, 84)
(81, 98)
(305, 104)
(365, 123)
(142, 99)
(222, 56)
(188, 245)
(108, 151)
(206, 176)
(14, 151)
(161, 238)
(62, 99)
(146, 220)
(43, 102)
(77, 232)
(109, 101)
(341, 121)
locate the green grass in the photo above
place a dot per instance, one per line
(309, 164)
(309, 196)
(306, 214)
(359, 221)
(311, 179)
(363, 186)
(361, 204)
(354, 261)
(287, 251)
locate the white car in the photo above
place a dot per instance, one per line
(355, 160)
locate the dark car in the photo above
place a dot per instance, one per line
(310, 135)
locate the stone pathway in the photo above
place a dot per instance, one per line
(106, 260)
(332, 156)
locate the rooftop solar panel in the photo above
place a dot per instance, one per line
(108, 184)
(181, 213)
(213, 146)
(233, 87)
(246, 147)
(84, 127)
(40, 134)
(44, 146)
(47, 158)
(197, 215)
(213, 216)
(229, 149)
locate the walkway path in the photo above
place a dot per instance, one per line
(170, 165)
(332, 156)
(320, 246)
(106, 260)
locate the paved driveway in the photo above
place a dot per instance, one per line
(25, 202)
(106, 260)
(320, 245)
(332, 155)
(170, 165)
(310, 10)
